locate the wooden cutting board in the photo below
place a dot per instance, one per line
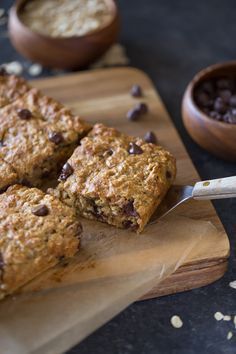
(103, 96)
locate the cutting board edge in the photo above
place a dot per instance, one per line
(173, 285)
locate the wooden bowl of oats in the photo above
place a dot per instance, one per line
(63, 33)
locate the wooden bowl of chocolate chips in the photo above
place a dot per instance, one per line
(63, 34)
(209, 109)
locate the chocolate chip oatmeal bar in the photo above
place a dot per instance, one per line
(12, 87)
(116, 178)
(37, 135)
(37, 231)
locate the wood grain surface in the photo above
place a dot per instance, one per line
(103, 96)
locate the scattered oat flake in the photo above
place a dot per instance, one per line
(35, 69)
(227, 318)
(218, 316)
(229, 335)
(2, 11)
(13, 67)
(232, 284)
(176, 321)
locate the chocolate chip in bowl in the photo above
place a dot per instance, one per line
(63, 33)
(217, 98)
(209, 109)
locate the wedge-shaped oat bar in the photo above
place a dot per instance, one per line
(116, 178)
(12, 87)
(37, 231)
(37, 135)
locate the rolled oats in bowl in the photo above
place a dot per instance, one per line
(65, 18)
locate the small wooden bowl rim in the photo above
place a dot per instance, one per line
(199, 77)
(19, 4)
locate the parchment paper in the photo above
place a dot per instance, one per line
(113, 269)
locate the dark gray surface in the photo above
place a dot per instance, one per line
(171, 41)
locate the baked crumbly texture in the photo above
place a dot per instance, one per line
(37, 232)
(8, 176)
(12, 87)
(37, 135)
(116, 178)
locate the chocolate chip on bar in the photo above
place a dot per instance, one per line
(67, 170)
(129, 208)
(41, 210)
(24, 114)
(55, 137)
(134, 149)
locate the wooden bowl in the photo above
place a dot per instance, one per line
(61, 52)
(217, 137)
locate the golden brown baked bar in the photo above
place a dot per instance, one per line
(7, 175)
(116, 178)
(37, 231)
(37, 135)
(12, 87)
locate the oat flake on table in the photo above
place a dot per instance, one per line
(232, 284)
(35, 69)
(227, 318)
(176, 321)
(218, 316)
(13, 67)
